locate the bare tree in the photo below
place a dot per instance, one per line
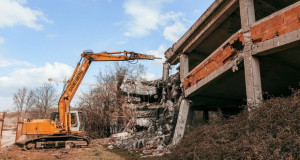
(23, 100)
(103, 105)
(44, 99)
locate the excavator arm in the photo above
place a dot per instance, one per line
(81, 68)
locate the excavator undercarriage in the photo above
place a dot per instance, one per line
(57, 141)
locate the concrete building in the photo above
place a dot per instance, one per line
(234, 53)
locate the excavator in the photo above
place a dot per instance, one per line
(65, 128)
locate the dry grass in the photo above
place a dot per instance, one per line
(271, 131)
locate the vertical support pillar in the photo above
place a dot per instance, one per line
(19, 128)
(251, 63)
(205, 116)
(2, 116)
(184, 66)
(247, 13)
(166, 68)
(181, 121)
(184, 105)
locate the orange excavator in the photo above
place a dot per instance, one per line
(65, 127)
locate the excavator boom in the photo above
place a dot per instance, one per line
(64, 127)
(82, 66)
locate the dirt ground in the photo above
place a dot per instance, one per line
(94, 151)
(8, 138)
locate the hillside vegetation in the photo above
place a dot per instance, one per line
(271, 131)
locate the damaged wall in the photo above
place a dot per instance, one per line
(216, 60)
(153, 120)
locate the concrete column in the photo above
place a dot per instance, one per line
(181, 121)
(252, 68)
(253, 80)
(166, 68)
(184, 66)
(247, 13)
(185, 104)
(205, 116)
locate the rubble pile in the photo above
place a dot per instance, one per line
(154, 106)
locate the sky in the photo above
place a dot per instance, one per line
(41, 39)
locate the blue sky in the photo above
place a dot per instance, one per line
(41, 39)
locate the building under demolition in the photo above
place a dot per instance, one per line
(238, 52)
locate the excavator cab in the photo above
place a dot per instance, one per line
(77, 120)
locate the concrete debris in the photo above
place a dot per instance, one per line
(110, 147)
(136, 87)
(151, 128)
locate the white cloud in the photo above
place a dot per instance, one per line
(146, 16)
(174, 32)
(22, 1)
(7, 62)
(12, 12)
(31, 77)
(159, 52)
(149, 76)
(2, 40)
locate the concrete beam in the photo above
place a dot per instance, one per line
(181, 121)
(208, 22)
(277, 44)
(217, 20)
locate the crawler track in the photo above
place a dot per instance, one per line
(58, 141)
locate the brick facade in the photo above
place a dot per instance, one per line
(214, 62)
(276, 26)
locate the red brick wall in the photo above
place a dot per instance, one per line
(276, 26)
(218, 59)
